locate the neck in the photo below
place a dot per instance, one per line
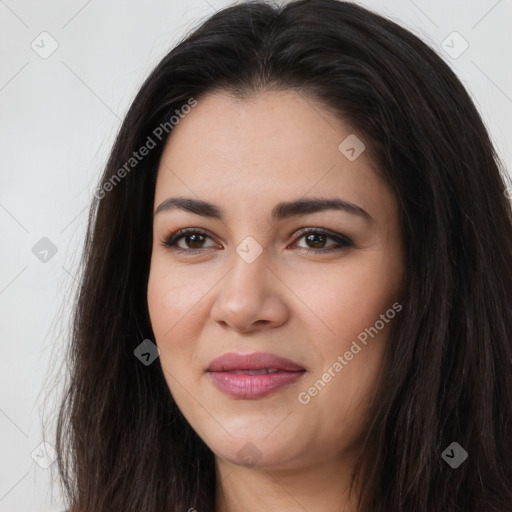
(322, 486)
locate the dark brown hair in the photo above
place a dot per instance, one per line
(123, 445)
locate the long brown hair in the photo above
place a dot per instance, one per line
(123, 444)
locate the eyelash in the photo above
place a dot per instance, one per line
(342, 241)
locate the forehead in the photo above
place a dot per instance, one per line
(278, 145)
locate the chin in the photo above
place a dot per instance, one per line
(248, 450)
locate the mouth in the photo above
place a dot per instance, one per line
(251, 376)
(263, 371)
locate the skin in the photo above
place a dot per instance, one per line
(245, 156)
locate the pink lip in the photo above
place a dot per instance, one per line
(227, 374)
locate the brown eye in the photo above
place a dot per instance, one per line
(317, 238)
(192, 241)
(187, 240)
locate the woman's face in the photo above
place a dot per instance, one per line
(257, 278)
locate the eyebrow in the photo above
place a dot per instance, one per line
(281, 211)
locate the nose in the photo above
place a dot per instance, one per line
(250, 297)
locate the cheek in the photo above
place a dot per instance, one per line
(177, 298)
(168, 305)
(172, 296)
(351, 298)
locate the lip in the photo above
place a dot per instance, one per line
(232, 361)
(227, 374)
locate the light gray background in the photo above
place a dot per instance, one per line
(58, 119)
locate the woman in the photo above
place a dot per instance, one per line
(296, 289)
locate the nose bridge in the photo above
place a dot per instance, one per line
(249, 265)
(245, 298)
